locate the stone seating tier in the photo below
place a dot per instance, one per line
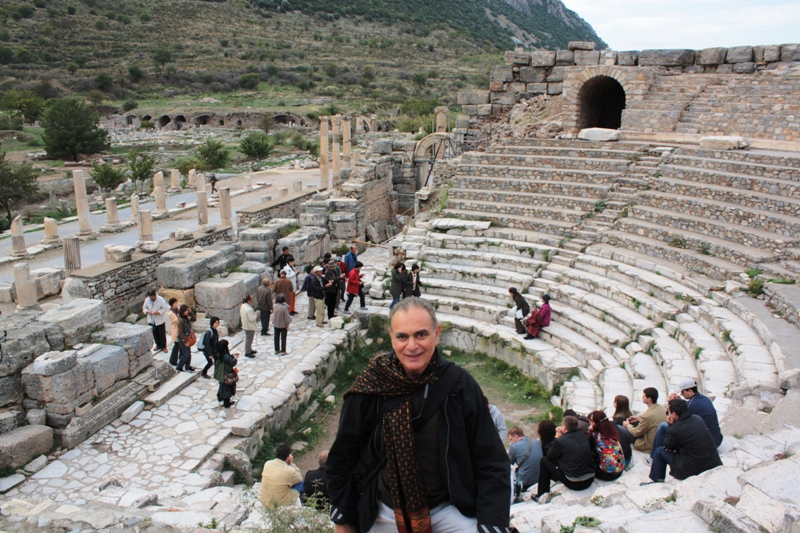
(763, 159)
(565, 151)
(553, 174)
(537, 223)
(526, 199)
(781, 181)
(538, 160)
(523, 185)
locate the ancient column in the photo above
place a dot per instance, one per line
(359, 124)
(202, 208)
(145, 226)
(200, 180)
(323, 151)
(134, 207)
(373, 124)
(356, 157)
(225, 211)
(112, 217)
(25, 286)
(441, 119)
(175, 181)
(191, 181)
(248, 183)
(81, 204)
(336, 123)
(346, 142)
(160, 194)
(50, 231)
(298, 186)
(72, 254)
(18, 248)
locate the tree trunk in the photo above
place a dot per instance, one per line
(8, 212)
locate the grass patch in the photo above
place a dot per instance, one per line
(755, 288)
(782, 281)
(585, 521)
(753, 272)
(285, 231)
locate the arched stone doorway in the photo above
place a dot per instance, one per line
(600, 103)
(180, 120)
(163, 120)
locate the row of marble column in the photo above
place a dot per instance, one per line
(340, 153)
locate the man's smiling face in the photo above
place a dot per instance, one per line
(414, 339)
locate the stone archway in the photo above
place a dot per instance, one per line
(163, 120)
(634, 82)
(433, 147)
(600, 103)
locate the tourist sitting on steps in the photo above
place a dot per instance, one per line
(688, 448)
(224, 364)
(524, 454)
(540, 318)
(315, 484)
(569, 460)
(583, 421)
(547, 434)
(520, 311)
(281, 480)
(607, 448)
(643, 428)
(622, 412)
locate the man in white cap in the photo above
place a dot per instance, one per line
(697, 404)
(316, 290)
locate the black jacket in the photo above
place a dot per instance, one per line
(330, 277)
(210, 342)
(473, 460)
(316, 482)
(316, 288)
(522, 304)
(693, 446)
(280, 262)
(573, 453)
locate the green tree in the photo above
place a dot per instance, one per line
(266, 123)
(95, 97)
(135, 73)
(141, 166)
(22, 103)
(419, 79)
(107, 176)
(249, 81)
(17, 185)
(256, 146)
(71, 128)
(104, 82)
(71, 67)
(161, 56)
(185, 164)
(213, 155)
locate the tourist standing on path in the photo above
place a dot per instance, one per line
(208, 343)
(224, 367)
(331, 289)
(281, 323)
(607, 447)
(521, 311)
(281, 261)
(291, 275)
(309, 279)
(341, 273)
(416, 283)
(569, 460)
(213, 183)
(396, 286)
(643, 428)
(283, 286)
(156, 309)
(351, 258)
(173, 331)
(540, 318)
(184, 332)
(688, 447)
(355, 287)
(408, 283)
(248, 316)
(316, 290)
(419, 426)
(264, 301)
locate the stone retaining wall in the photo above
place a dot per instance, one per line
(288, 207)
(123, 286)
(719, 156)
(728, 176)
(760, 200)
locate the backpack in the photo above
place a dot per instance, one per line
(201, 343)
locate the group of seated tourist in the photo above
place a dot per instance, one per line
(684, 435)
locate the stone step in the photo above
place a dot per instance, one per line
(486, 294)
(554, 174)
(582, 395)
(595, 329)
(525, 222)
(561, 260)
(171, 388)
(543, 161)
(561, 188)
(563, 151)
(498, 245)
(646, 373)
(676, 362)
(571, 144)
(717, 372)
(492, 261)
(486, 276)
(717, 179)
(756, 157)
(537, 200)
(745, 169)
(524, 236)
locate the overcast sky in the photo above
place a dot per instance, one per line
(641, 24)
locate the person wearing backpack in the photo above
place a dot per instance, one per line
(208, 345)
(607, 448)
(525, 454)
(186, 339)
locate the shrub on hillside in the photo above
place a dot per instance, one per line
(107, 176)
(213, 155)
(256, 146)
(249, 81)
(128, 105)
(71, 128)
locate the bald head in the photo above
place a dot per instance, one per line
(322, 459)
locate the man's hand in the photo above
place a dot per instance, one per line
(633, 419)
(343, 529)
(290, 459)
(674, 396)
(560, 431)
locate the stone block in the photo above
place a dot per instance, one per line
(307, 243)
(8, 483)
(10, 419)
(135, 339)
(580, 45)
(628, 59)
(184, 296)
(251, 281)
(247, 425)
(744, 68)
(711, 56)
(182, 234)
(586, 57)
(758, 54)
(599, 135)
(555, 88)
(512, 57)
(483, 110)
(739, 54)
(77, 319)
(473, 97)
(259, 239)
(52, 363)
(725, 69)
(62, 388)
(74, 289)
(790, 52)
(25, 340)
(138, 364)
(503, 98)
(543, 58)
(383, 147)
(504, 74)
(255, 267)
(10, 390)
(496, 86)
(36, 417)
(666, 58)
(118, 254)
(48, 281)
(20, 445)
(6, 296)
(516, 87)
(722, 142)
(565, 57)
(132, 412)
(219, 293)
(532, 74)
(313, 219)
(772, 53)
(556, 74)
(109, 365)
(36, 465)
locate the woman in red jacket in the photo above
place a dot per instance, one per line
(355, 286)
(540, 318)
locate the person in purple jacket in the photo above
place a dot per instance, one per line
(539, 318)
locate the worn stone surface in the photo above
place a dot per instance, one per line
(220, 293)
(26, 339)
(19, 446)
(666, 58)
(136, 339)
(52, 363)
(109, 365)
(77, 319)
(711, 56)
(599, 135)
(739, 54)
(74, 289)
(543, 58)
(724, 142)
(10, 390)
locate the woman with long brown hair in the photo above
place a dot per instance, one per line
(607, 449)
(622, 409)
(184, 331)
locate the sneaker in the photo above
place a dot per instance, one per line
(647, 460)
(254, 351)
(251, 356)
(203, 374)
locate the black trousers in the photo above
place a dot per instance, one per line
(549, 471)
(176, 352)
(209, 363)
(351, 296)
(160, 335)
(280, 339)
(330, 302)
(519, 325)
(265, 321)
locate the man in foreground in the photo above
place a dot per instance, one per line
(281, 480)
(416, 449)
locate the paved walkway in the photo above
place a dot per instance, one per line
(161, 450)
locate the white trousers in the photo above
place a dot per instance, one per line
(445, 518)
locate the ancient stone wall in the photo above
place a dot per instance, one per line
(124, 285)
(372, 185)
(286, 207)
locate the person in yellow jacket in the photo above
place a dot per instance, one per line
(281, 480)
(645, 431)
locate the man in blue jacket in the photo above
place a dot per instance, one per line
(350, 259)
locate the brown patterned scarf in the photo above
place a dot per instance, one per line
(384, 376)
